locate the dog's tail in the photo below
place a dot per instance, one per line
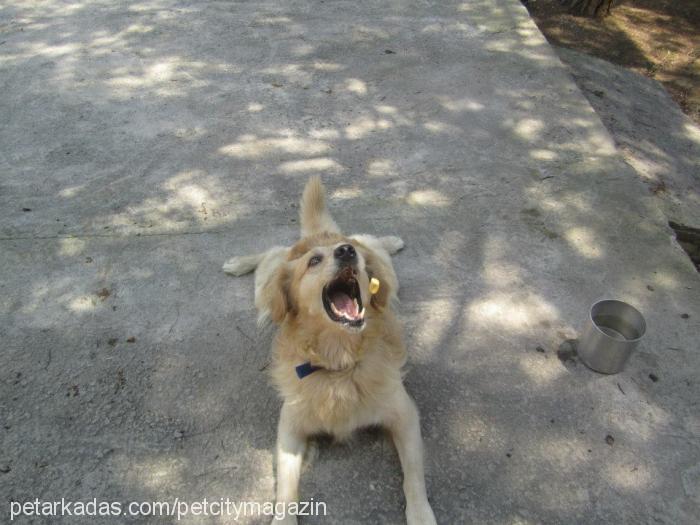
(313, 213)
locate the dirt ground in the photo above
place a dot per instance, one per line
(658, 38)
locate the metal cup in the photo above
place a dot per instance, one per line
(612, 331)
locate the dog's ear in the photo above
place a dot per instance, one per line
(276, 294)
(377, 268)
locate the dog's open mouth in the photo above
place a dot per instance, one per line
(342, 300)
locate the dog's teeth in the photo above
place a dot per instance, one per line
(347, 316)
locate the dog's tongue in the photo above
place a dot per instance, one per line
(344, 304)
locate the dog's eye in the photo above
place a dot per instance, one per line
(315, 260)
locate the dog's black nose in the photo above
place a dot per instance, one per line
(345, 253)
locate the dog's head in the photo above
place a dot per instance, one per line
(325, 283)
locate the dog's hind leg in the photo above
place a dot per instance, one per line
(242, 264)
(389, 244)
(265, 265)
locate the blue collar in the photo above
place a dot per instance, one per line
(306, 369)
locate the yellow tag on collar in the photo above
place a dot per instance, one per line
(373, 285)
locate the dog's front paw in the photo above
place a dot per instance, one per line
(392, 244)
(420, 514)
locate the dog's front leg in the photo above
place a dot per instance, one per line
(291, 443)
(404, 425)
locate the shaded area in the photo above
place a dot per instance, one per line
(654, 137)
(658, 38)
(689, 239)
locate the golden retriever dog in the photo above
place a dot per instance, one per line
(338, 351)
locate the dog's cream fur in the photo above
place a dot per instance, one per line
(360, 383)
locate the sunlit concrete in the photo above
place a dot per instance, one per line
(144, 143)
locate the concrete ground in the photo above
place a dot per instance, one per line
(144, 143)
(649, 129)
